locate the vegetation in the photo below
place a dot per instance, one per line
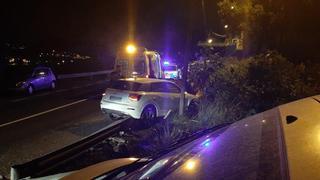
(258, 83)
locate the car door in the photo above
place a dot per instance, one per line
(46, 78)
(37, 79)
(165, 95)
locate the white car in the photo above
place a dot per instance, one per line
(143, 98)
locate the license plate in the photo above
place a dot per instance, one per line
(115, 98)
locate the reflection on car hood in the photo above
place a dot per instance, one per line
(264, 146)
(99, 169)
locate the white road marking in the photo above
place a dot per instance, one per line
(41, 113)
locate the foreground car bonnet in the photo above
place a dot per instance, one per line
(264, 146)
(248, 149)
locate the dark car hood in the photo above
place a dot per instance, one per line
(266, 146)
(243, 150)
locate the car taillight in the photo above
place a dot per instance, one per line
(134, 97)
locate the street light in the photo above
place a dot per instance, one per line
(226, 26)
(232, 7)
(210, 41)
(131, 49)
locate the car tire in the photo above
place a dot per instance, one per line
(53, 85)
(30, 90)
(149, 115)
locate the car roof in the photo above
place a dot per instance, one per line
(146, 80)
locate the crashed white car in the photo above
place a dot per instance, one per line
(143, 98)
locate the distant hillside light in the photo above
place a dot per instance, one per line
(131, 49)
(232, 7)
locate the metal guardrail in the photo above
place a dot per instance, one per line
(86, 74)
(40, 166)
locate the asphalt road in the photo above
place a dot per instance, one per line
(32, 126)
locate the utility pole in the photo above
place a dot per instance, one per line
(187, 56)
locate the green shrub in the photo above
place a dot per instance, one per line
(243, 87)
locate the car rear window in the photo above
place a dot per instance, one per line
(129, 86)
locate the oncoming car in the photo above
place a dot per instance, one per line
(40, 78)
(142, 98)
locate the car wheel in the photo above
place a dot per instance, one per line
(30, 90)
(53, 85)
(193, 109)
(148, 115)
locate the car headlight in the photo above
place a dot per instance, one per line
(19, 84)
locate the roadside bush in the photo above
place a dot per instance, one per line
(242, 87)
(237, 88)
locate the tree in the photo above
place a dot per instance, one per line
(245, 17)
(286, 26)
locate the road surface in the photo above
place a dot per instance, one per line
(32, 126)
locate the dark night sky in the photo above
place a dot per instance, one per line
(98, 27)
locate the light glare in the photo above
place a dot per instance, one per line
(131, 49)
(190, 165)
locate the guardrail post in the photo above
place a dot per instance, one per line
(14, 175)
